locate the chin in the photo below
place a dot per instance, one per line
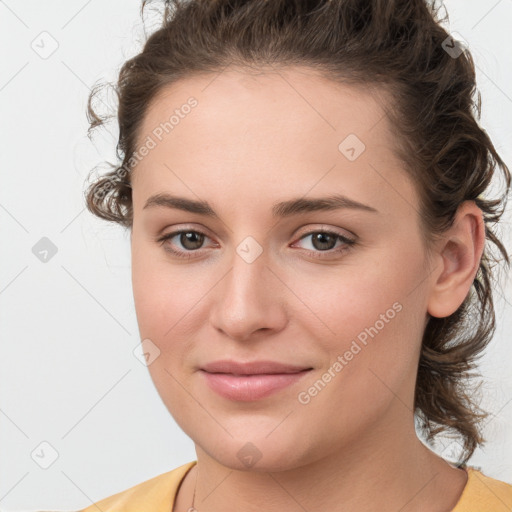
(259, 452)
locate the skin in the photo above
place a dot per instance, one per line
(251, 141)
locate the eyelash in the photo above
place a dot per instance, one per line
(349, 243)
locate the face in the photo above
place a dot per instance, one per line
(339, 295)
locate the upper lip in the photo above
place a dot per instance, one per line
(251, 367)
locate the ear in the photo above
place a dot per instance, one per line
(458, 253)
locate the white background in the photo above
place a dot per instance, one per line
(68, 376)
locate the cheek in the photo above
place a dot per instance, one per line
(349, 303)
(374, 319)
(162, 298)
(372, 361)
(171, 308)
(163, 293)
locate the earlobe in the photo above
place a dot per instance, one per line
(460, 253)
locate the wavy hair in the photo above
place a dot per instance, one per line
(398, 46)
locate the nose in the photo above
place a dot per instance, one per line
(249, 301)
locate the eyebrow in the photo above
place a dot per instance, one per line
(281, 209)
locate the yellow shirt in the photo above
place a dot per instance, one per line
(481, 494)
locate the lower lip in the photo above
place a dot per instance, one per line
(246, 388)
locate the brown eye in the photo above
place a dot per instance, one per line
(323, 241)
(190, 241)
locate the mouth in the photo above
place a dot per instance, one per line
(251, 380)
(252, 367)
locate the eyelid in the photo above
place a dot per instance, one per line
(308, 230)
(330, 229)
(180, 229)
(347, 244)
(347, 240)
(163, 239)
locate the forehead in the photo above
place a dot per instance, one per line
(288, 127)
(294, 101)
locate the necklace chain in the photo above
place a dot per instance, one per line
(192, 508)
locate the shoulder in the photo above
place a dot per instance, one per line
(156, 494)
(483, 492)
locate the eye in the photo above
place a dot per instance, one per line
(190, 239)
(323, 241)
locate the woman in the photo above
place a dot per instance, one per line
(305, 187)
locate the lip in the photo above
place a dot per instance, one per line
(251, 367)
(248, 381)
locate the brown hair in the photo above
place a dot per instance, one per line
(400, 47)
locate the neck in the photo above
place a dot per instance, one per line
(388, 468)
